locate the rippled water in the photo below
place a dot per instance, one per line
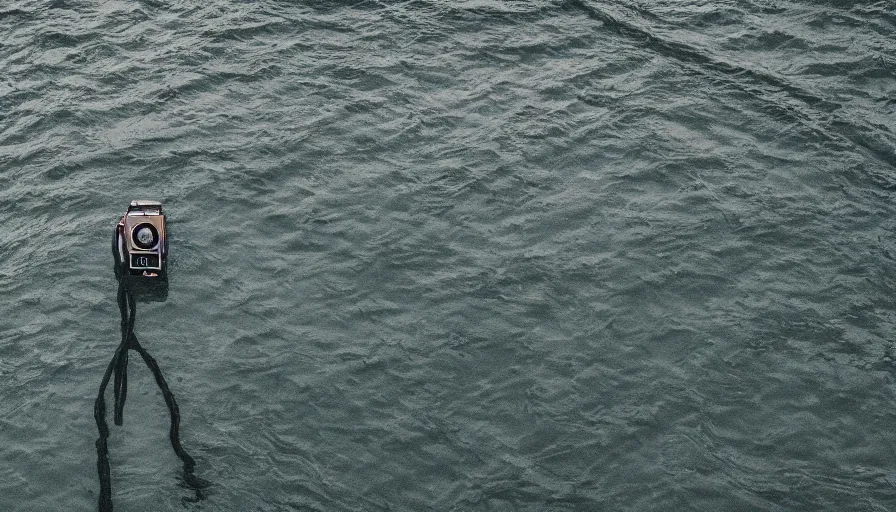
(469, 255)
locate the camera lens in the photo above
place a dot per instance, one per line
(145, 236)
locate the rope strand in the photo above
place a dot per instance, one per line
(102, 448)
(121, 369)
(119, 366)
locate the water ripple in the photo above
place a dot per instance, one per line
(475, 255)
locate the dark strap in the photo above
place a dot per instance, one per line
(119, 365)
(127, 305)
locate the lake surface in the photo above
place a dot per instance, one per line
(456, 255)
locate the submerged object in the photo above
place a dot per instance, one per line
(141, 242)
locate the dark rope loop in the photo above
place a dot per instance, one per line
(119, 366)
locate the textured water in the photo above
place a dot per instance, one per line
(469, 255)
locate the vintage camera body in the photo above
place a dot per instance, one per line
(141, 241)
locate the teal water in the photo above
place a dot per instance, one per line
(469, 255)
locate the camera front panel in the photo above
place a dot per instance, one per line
(145, 241)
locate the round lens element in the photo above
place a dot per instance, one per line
(145, 236)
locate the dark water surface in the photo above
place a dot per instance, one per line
(469, 255)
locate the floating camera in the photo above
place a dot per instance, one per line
(141, 246)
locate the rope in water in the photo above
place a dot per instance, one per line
(119, 365)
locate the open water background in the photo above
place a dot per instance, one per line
(457, 255)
